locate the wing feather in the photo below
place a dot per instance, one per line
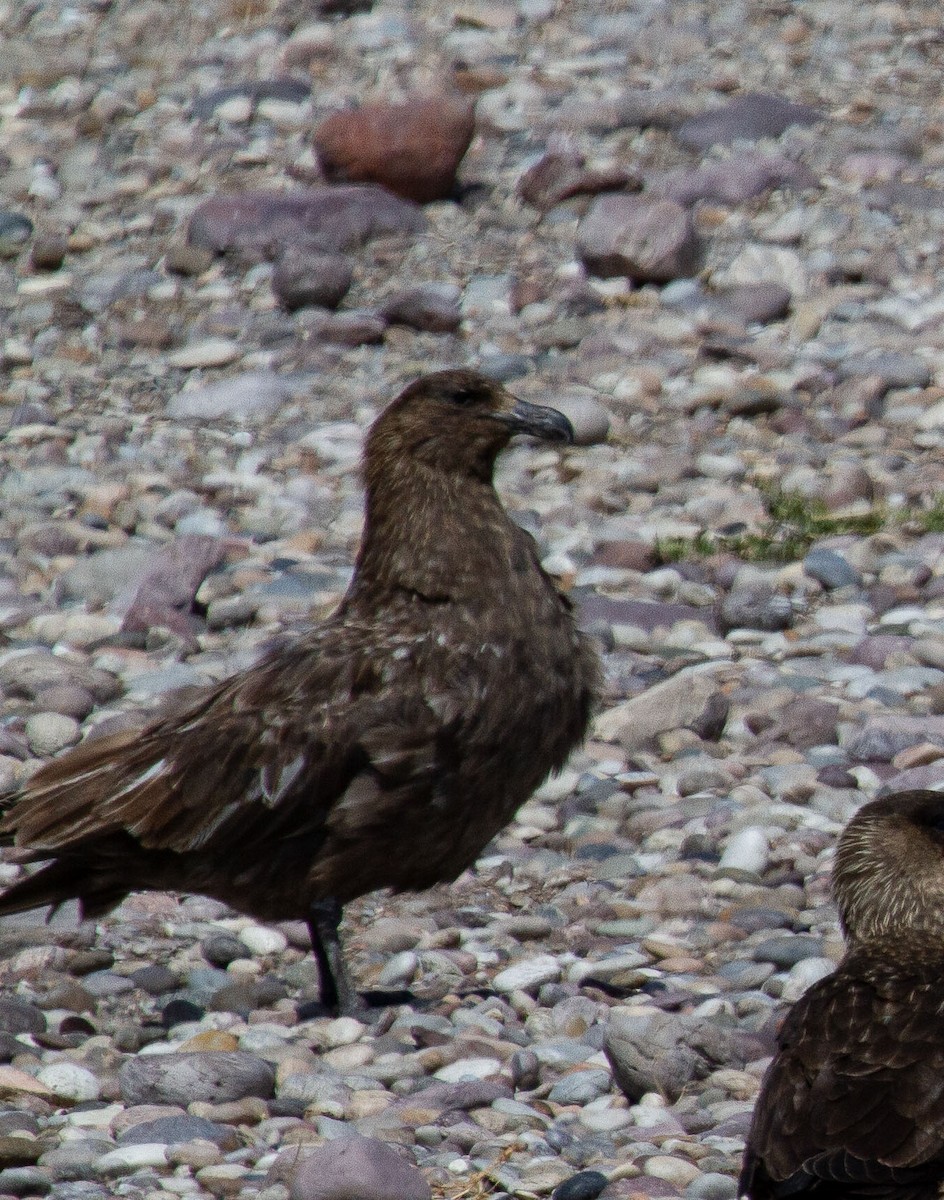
(854, 1096)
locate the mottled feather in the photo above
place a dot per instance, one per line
(384, 748)
(853, 1102)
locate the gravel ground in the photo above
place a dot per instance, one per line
(178, 484)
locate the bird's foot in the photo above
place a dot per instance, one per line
(364, 1006)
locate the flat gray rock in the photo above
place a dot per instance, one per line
(212, 1076)
(358, 1168)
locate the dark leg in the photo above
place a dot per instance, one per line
(337, 994)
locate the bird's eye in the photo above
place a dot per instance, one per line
(935, 822)
(466, 396)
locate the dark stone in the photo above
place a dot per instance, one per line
(585, 1185)
(187, 260)
(10, 1046)
(756, 608)
(354, 328)
(801, 723)
(875, 650)
(558, 177)
(646, 614)
(746, 118)
(155, 979)
(412, 148)
(179, 1011)
(18, 1016)
(430, 307)
(164, 598)
(48, 252)
(357, 1168)
(172, 1130)
(834, 775)
(895, 368)
(646, 238)
(25, 1181)
(243, 998)
(15, 231)
(70, 699)
(664, 1052)
(220, 949)
(786, 952)
(266, 224)
(84, 962)
(733, 181)
(830, 569)
(303, 280)
(710, 723)
(460, 1097)
(755, 303)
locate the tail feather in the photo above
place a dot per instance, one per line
(60, 881)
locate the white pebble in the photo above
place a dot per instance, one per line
(468, 1068)
(69, 1081)
(215, 352)
(261, 940)
(673, 1170)
(131, 1158)
(803, 975)
(48, 732)
(746, 851)
(527, 974)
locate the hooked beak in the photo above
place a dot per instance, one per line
(538, 420)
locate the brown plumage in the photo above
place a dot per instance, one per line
(384, 748)
(853, 1103)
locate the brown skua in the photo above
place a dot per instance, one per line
(853, 1102)
(382, 749)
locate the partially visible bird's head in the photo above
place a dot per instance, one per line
(888, 877)
(458, 421)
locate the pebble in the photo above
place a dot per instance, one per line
(414, 148)
(830, 569)
(252, 396)
(69, 1081)
(648, 240)
(128, 1159)
(747, 850)
(213, 352)
(50, 732)
(528, 974)
(182, 1078)
(357, 1168)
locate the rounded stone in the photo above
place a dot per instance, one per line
(747, 850)
(181, 1078)
(312, 280)
(528, 974)
(69, 1081)
(830, 569)
(49, 732)
(357, 1168)
(259, 939)
(585, 1185)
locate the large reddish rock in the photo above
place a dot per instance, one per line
(267, 225)
(645, 238)
(413, 149)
